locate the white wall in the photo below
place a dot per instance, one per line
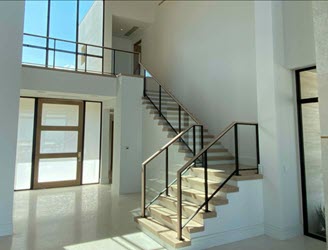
(68, 82)
(298, 34)
(136, 10)
(320, 10)
(123, 61)
(11, 24)
(206, 49)
(277, 121)
(91, 32)
(128, 136)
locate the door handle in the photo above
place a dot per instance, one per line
(79, 156)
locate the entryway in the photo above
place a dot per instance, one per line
(58, 143)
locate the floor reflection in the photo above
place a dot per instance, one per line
(55, 218)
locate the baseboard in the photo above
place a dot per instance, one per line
(226, 237)
(283, 233)
(6, 229)
(216, 239)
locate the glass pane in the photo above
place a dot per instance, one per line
(63, 19)
(24, 144)
(35, 19)
(313, 170)
(63, 25)
(60, 115)
(124, 62)
(34, 56)
(57, 169)
(64, 60)
(309, 84)
(58, 142)
(91, 143)
(91, 22)
(91, 32)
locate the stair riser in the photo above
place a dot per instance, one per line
(211, 155)
(197, 200)
(167, 222)
(201, 187)
(223, 162)
(200, 217)
(160, 233)
(217, 179)
(164, 108)
(188, 183)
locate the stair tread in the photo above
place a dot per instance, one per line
(244, 175)
(197, 192)
(166, 234)
(214, 157)
(173, 216)
(227, 188)
(186, 204)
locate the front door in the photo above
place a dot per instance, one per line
(58, 145)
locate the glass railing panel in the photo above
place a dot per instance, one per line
(124, 62)
(234, 153)
(155, 177)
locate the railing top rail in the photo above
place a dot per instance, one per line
(172, 96)
(226, 130)
(168, 144)
(87, 44)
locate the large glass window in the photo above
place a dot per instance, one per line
(35, 22)
(70, 20)
(310, 150)
(92, 133)
(24, 144)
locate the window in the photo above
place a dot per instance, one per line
(310, 153)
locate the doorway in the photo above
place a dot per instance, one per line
(136, 65)
(58, 143)
(58, 152)
(310, 153)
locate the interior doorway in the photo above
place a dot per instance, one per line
(136, 65)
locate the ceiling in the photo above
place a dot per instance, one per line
(127, 28)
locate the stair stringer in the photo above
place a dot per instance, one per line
(241, 218)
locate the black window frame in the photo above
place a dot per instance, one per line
(300, 102)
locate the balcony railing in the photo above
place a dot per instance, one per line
(62, 54)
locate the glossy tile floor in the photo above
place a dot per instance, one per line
(92, 218)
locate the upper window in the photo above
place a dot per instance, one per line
(54, 21)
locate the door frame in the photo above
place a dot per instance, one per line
(136, 68)
(301, 101)
(37, 155)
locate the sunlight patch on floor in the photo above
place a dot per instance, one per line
(135, 241)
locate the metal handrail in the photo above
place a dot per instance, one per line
(171, 95)
(201, 153)
(164, 148)
(99, 55)
(74, 42)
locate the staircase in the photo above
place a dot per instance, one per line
(220, 176)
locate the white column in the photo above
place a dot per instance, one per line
(320, 18)
(128, 136)
(276, 117)
(11, 29)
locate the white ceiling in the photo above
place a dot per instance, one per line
(121, 25)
